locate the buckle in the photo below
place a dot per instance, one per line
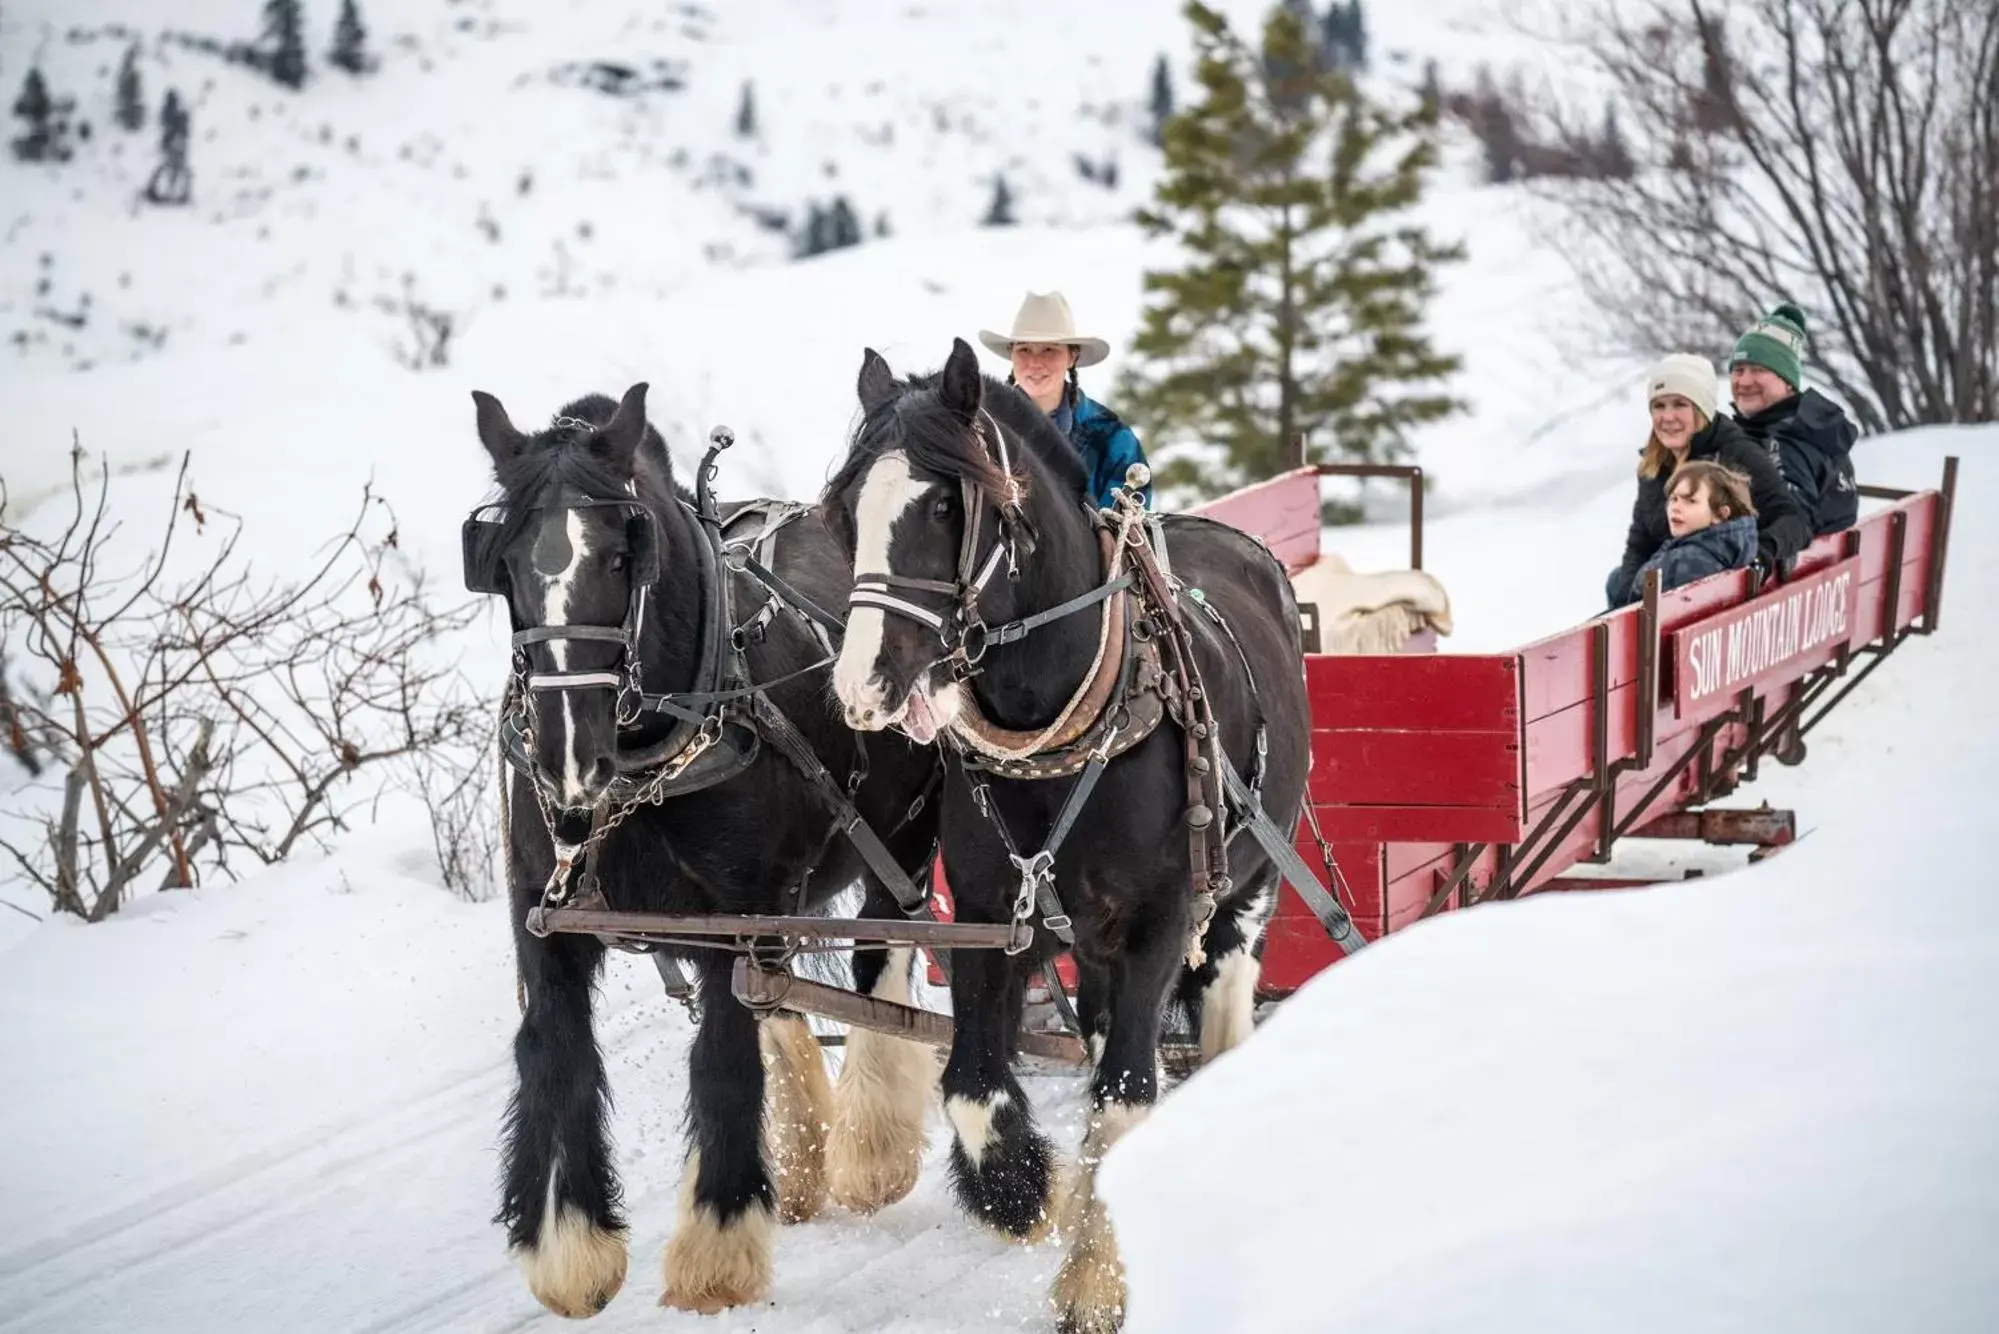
(967, 654)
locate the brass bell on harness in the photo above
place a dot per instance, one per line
(1199, 816)
(1137, 477)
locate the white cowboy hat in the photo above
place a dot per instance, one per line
(1044, 318)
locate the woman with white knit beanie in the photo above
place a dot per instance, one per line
(1681, 393)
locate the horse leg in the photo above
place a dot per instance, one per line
(1089, 1291)
(719, 1254)
(798, 1103)
(882, 1098)
(1221, 993)
(1001, 1165)
(1093, 1011)
(560, 1192)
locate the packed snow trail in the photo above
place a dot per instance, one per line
(366, 1205)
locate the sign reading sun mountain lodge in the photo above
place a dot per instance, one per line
(1804, 623)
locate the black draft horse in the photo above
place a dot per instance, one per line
(1123, 875)
(567, 553)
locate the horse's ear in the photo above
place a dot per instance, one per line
(876, 384)
(620, 436)
(961, 388)
(496, 433)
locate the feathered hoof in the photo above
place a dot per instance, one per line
(868, 1178)
(710, 1266)
(577, 1267)
(1002, 1167)
(1089, 1291)
(797, 1104)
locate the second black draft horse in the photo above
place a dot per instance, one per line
(945, 463)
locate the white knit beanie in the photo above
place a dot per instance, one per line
(1687, 375)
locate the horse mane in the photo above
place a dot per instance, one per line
(935, 438)
(559, 457)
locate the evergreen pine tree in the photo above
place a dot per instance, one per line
(350, 41)
(1498, 133)
(34, 106)
(1333, 45)
(130, 101)
(999, 213)
(1161, 102)
(1356, 30)
(843, 225)
(1613, 155)
(815, 240)
(172, 182)
(1300, 308)
(746, 114)
(1431, 90)
(1288, 70)
(284, 30)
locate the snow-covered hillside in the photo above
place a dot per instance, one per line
(580, 240)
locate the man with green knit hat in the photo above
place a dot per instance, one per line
(1808, 434)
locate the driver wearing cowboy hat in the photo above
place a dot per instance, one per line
(1045, 352)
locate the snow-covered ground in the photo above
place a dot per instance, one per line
(274, 1105)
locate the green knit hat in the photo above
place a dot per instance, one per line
(1776, 342)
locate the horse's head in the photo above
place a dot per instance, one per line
(930, 507)
(573, 548)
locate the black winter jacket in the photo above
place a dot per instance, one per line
(1812, 441)
(1782, 528)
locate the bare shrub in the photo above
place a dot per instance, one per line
(1841, 154)
(203, 720)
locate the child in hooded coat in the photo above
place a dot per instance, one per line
(1713, 528)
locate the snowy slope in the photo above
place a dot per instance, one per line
(1762, 1102)
(582, 240)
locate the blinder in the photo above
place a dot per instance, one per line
(480, 545)
(481, 539)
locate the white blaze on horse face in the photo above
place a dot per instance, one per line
(887, 492)
(556, 593)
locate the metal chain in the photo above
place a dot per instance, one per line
(651, 793)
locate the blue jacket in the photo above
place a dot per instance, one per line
(1730, 545)
(1107, 446)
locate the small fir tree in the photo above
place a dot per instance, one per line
(1160, 104)
(1300, 306)
(746, 113)
(843, 225)
(1356, 29)
(36, 110)
(284, 35)
(129, 108)
(172, 182)
(1613, 154)
(350, 41)
(999, 213)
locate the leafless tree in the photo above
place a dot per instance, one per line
(1842, 154)
(203, 719)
